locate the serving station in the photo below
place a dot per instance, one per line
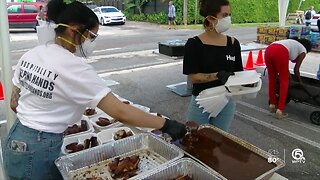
(120, 151)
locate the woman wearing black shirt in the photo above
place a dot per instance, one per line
(210, 58)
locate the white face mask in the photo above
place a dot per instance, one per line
(87, 47)
(223, 24)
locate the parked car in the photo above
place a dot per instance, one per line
(314, 20)
(23, 14)
(109, 15)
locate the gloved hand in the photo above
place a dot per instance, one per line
(174, 128)
(223, 76)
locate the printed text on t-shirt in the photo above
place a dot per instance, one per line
(37, 75)
(230, 58)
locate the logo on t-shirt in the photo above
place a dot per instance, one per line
(37, 80)
(230, 58)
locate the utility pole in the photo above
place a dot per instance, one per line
(195, 11)
(185, 13)
(300, 4)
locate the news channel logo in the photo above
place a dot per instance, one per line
(274, 155)
(296, 154)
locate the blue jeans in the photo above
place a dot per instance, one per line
(37, 162)
(222, 121)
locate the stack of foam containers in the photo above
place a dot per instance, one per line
(213, 100)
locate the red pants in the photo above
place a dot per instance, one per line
(277, 61)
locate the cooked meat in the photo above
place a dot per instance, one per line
(94, 141)
(129, 133)
(71, 146)
(77, 148)
(135, 159)
(89, 112)
(103, 121)
(114, 164)
(86, 143)
(122, 134)
(125, 167)
(84, 125)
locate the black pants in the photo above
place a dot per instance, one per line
(318, 24)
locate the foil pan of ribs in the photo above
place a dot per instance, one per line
(126, 158)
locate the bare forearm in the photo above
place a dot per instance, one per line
(297, 66)
(15, 95)
(203, 77)
(297, 75)
(129, 114)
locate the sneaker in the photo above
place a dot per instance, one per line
(280, 114)
(272, 108)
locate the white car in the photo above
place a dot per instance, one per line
(109, 15)
(314, 20)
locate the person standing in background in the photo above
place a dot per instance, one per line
(209, 59)
(40, 15)
(309, 15)
(171, 15)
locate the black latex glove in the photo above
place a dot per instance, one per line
(174, 128)
(223, 76)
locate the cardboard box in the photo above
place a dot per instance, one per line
(295, 31)
(315, 36)
(283, 32)
(270, 38)
(272, 30)
(261, 38)
(305, 30)
(262, 29)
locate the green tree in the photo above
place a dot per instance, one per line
(139, 4)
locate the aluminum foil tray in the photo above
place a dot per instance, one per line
(266, 175)
(184, 166)
(153, 152)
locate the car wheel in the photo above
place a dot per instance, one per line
(102, 22)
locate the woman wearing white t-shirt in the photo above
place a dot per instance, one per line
(52, 88)
(277, 57)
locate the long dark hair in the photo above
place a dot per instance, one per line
(211, 8)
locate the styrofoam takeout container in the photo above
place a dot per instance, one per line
(79, 139)
(89, 125)
(95, 118)
(107, 135)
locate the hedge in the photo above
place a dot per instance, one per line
(243, 11)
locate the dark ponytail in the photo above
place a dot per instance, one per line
(73, 13)
(54, 9)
